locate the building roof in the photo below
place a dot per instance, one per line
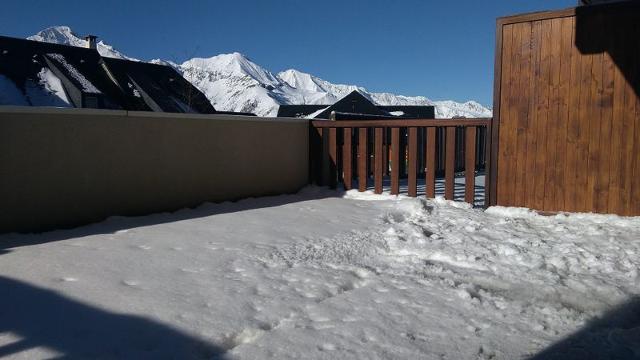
(45, 74)
(357, 106)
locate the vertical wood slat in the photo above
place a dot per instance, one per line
(450, 156)
(504, 135)
(573, 128)
(553, 122)
(606, 107)
(347, 162)
(413, 162)
(566, 43)
(394, 159)
(488, 188)
(594, 119)
(363, 158)
(378, 160)
(542, 108)
(470, 165)
(430, 152)
(522, 111)
(532, 141)
(333, 157)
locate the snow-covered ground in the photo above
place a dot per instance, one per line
(323, 275)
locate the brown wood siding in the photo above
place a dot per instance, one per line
(567, 110)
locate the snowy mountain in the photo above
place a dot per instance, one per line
(232, 82)
(64, 35)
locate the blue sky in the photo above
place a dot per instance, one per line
(438, 49)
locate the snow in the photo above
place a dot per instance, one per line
(232, 82)
(320, 274)
(65, 36)
(87, 86)
(316, 113)
(47, 91)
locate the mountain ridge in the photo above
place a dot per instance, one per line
(232, 82)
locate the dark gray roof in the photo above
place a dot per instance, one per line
(90, 80)
(357, 106)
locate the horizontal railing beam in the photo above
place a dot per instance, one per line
(401, 123)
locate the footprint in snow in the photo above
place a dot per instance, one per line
(130, 283)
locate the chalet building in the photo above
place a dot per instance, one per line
(356, 106)
(36, 73)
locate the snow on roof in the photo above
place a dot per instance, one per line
(48, 91)
(87, 86)
(316, 113)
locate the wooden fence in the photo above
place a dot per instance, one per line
(566, 135)
(371, 150)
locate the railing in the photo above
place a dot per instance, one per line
(396, 149)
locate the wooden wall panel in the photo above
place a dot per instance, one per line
(568, 110)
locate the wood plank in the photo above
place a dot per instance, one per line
(333, 158)
(534, 116)
(450, 154)
(412, 169)
(634, 198)
(430, 152)
(566, 44)
(502, 196)
(583, 120)
(573, 126)
(631, 73)
(401, 123)
(493, 128)
(363, 158)
(394, 159)
(347, 158)
(542, 108)
(603, 176)
(470, 165)
(594, 119)
(514, 97)
(386, 151)
(522, 114)
(378, 159)
(553, 161)
(488, 169)
(619, 127)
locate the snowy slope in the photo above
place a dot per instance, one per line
(232, 82)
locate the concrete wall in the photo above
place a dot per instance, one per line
(66, 167)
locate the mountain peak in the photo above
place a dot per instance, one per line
(64, 35)
(234, 64)
(233, 82)
(58, 35)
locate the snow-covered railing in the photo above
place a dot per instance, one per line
(399, 148)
